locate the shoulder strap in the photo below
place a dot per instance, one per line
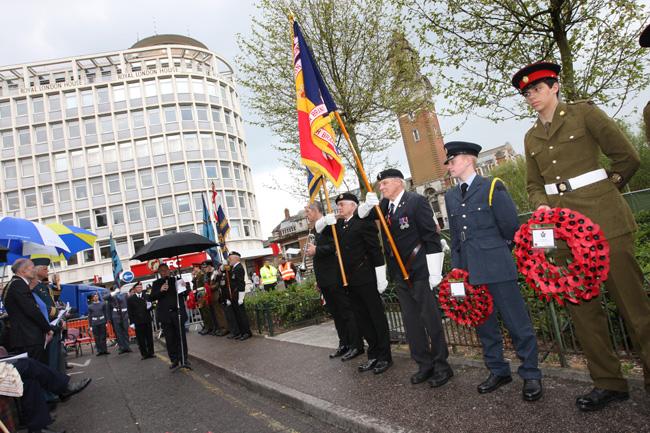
(492, 185)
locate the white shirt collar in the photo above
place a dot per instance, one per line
(469, 180)
(397, 200)
(25, 280)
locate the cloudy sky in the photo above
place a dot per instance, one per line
(35, 30)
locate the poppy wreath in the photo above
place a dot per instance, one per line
(473, 309)
(584, 273)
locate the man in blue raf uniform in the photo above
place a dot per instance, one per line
(410, 219)
(483, 221)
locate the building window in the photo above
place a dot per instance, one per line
(97, 186)
(24, 136)
(80, 190)
(87, 98)
(142, 148)
(416, 135)
(89, 256)
(77, 158)
(135, 91)
(186, 112)
(197, 86)
(126, 151)
(150, 209)
(182, 85)
(9, 169)
(162, 175)
(47, 195)
(102, 95)
(242, 200)
(225, 170)
(230, 199)
(146, 178)
(73, 129)
(211, 170)
(54, 102)
(119, 94)
(195, 170)
(30, 197)
(157, 146)
(134, 212)
(26, 168)
(60, 162)
(178, 173)
(7, 140)
(113, 184)
(122, 122)
(190, 142)
(170, 114)
(90, 127)
(63, 191)
(138, 242)
(153, 116)
(117, 215)
(166, 86)
(202, 113)
(93, 157)
(166, 206)
(43, 164)
(104, 250)
(137, 117)
(198, 201)
(130, 183)
(101, 218)
(41, 134)
(13, 203)
(70, 100)
(150, 88)
(174, 143)
(38, 106)
(183, 202)
(106, 124)
(109, 154)
(83, 218)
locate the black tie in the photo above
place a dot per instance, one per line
(391, 209)
(463, 189)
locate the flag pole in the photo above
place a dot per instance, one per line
(380, 215)
(336, 237)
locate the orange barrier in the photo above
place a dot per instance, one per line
(79, 332)
(110, 332)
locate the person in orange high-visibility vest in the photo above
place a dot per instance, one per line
(288, 271)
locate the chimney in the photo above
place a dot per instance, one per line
(287, 215)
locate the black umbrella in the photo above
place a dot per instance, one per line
(173, 245)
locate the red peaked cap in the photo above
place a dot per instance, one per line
(534, 72)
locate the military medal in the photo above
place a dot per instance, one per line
(404, 223)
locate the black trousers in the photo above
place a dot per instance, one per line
(121, 329)
(241, 317)
(371, 319)
(423, 323)
(269, 287)
(37, 378)
(173, 334)
(233, 326)
(35, 351)
(99, 334)
(339, 306)
(144, 335)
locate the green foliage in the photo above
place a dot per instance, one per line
(643, 241)
(513, 174)
(474, 48)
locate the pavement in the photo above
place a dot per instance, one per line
(294, 370)
(129, 395)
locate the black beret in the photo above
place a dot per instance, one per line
(533, 73)
(461, 148)
(41, 262)
(207, 263)
(347, 196)
(644, 39)
(390, 172)
(234, 253)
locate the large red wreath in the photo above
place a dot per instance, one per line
(583, 274)
(473, 309)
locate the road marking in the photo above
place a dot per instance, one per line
(85, 364)
(271, 422)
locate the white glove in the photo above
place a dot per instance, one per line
(445, 245)
(382, 283)
(241, 297)
(434, 264)
(330, 219)
(371, 201)
(228, 302)
(320, 224)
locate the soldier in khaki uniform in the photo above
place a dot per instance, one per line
(562, 150)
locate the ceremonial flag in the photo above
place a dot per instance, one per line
(116, 263)
(313, 184)
(223, 228)
(315, 107)
(208, 232)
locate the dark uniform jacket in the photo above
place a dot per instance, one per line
(482, 235)
(28, 325)
(237, 280)
(118, 308)
(578, 133)
(166, 310)
(137, 309)
(326, 264)
(411, 224)
(360, 249)
(42, 290)
(98, 313)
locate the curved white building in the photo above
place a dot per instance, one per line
(125, 142)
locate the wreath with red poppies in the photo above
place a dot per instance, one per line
(473, 309)
(583, 274)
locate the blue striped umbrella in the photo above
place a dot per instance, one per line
(22, 236)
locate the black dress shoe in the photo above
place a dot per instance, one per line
(231, 336)
(382, 366)
(221, 333)
(492, 383)
(352, 353)
(532, 389)
(74, 388)
(598, 398)
(421, 376)
(440, 378)
(367, 366)
(244, 337)
(173, 365)
(342, 350)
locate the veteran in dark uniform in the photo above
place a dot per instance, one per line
(644, 41)
(562, 158)
(413, 227)
(366, 271)
(482, 223)
(328, 278)
(237, 293)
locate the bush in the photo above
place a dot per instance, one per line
(643, 241)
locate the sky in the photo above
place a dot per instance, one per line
(35, 30)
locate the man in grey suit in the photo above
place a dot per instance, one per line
(483, 221)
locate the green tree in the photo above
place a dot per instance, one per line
(474, 49)
(513, 174)
(350, 42)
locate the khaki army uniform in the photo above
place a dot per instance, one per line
(569, 147)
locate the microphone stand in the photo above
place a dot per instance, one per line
(180, 324)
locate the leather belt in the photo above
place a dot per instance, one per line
(411, 259)
(576, 182)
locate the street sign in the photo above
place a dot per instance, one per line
(127, 276)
